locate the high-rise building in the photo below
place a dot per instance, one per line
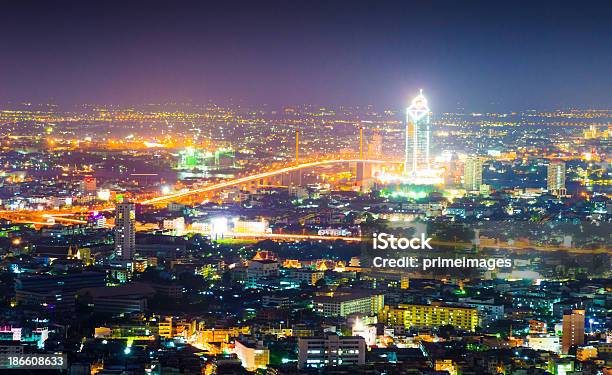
(472, 173)
(417, 137)
(375, 147)
(556, 178)
(573, 330)
(125, 230)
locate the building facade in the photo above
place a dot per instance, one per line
(435, 315)
(416, 156)
(331, 350)
(345, 303)
(125, 231)
(472, 173)
(556, 178)
(573, 330)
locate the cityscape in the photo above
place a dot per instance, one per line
(202, 230)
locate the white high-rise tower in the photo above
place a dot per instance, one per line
(416, 157)
(556, 178)
(125, 231)
(472, 173)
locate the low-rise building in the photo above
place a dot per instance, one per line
(331, 350)
(252, 355)
(434, 315)
(343, 303)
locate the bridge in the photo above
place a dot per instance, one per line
(259, 176)
(50, 217)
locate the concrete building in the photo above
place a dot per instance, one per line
(125, 231)
(331, 350)
(555, 181)
(177, 225)
(488, 310)
(259, 269)
(88, 186)
(343, 303)
(434, 315)
(573, 329)
(544, 342)
(472, 173)
(58, 291)
(584, 353)
(367, 331)
(308, 276)
(252, 355)
(124, 299)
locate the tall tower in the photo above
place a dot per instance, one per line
(297, 146)
(125, 230)
(472, 173)
(573, 330)
(417, 136)
(362, 167)
(556, 178)
(375, 145)
(361, 142)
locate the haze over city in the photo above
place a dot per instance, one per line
(480, 56)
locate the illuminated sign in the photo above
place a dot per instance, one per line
(418, 108)
(334, 232)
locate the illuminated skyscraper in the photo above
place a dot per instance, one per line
(472, 173)
(417, 137)
(556, 178)
(125, 231)
(573, 330)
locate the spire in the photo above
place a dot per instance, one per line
(418, 108)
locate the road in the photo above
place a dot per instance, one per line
(259, 176)
(48, 218)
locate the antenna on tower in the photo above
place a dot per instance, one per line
(297, 146)
(361, 142)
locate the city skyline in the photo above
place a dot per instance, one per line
(291, 188)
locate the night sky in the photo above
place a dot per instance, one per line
(480, 56)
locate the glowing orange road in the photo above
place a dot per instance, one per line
(60, 217)
(258, 176)
(289, 236)
(285, 236)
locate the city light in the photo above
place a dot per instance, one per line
(210, 189)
